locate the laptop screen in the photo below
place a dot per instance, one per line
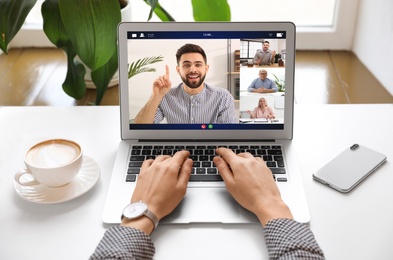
(207, 76)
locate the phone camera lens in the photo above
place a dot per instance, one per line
(354, 147)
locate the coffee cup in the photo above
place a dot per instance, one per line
(53, 163)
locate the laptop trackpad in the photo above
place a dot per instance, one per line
(208, 205)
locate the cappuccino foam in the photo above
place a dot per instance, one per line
(52, 154)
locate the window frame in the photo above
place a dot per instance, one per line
(338, 37)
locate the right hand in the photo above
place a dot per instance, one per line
(162, 183)
(250, 113)
(162, 84)
(251, 184)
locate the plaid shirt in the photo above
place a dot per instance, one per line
(285, 239)
(288, 239)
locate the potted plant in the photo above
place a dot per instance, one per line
(280, 83)
(139, 66)
(277, 57)
(88, 29)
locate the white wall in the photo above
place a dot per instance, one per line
(373, 43)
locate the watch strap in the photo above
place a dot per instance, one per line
(152, 217)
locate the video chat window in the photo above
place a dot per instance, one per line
(223, 70)
(262, 80)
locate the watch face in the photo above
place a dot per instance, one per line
(135, 210)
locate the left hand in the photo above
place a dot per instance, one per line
(162, 183)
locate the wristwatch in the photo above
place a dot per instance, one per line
(138, 209)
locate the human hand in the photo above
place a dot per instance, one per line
(162, 84)
(162, 183)
(252, 115)
(251, 184)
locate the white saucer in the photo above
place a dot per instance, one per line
(83, 182)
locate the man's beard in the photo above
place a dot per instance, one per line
(193, 85)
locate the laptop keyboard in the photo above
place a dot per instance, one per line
(202, 155)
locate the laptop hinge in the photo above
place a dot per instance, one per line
(205, 141)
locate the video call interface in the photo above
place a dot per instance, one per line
(240, 86)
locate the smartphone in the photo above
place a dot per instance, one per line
(349, 168)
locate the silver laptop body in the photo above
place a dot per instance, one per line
(208, 202)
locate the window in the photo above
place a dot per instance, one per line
(34, 19)
(321, 24)
(304, 13)
(249, 48)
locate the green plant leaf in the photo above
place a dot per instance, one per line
(280, 83)
(12, 16)
(153, 4)
(53, 24)
(211, 10)
(74, 84)
(159, 11)
(92, 28)
(163, 14)
(138, 66)
(103, 75)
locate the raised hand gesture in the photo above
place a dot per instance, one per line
(162, 84)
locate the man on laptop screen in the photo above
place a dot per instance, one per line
(191, 102)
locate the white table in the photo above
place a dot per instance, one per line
(354, 226)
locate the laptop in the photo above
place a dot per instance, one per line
(230, 48)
